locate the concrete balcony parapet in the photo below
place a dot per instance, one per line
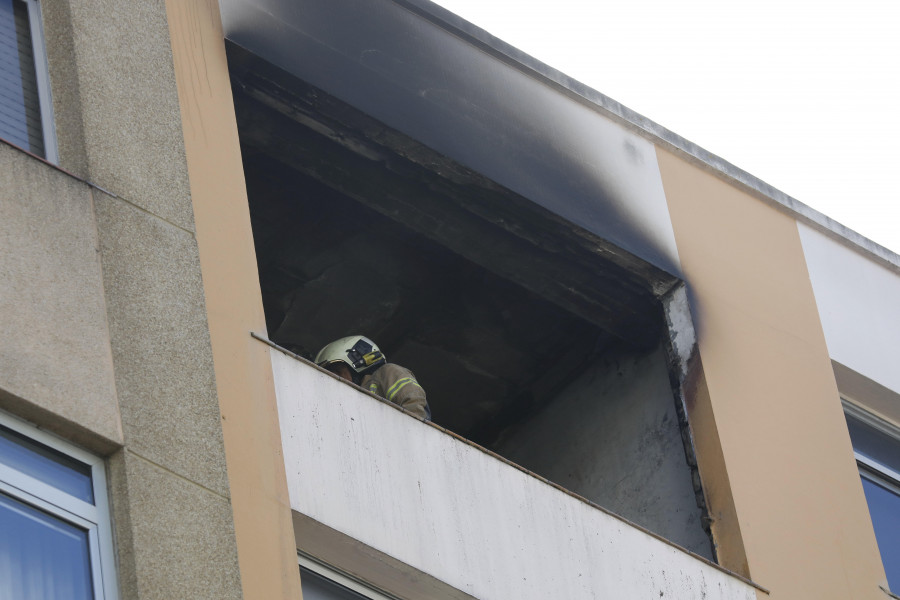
(452, 511)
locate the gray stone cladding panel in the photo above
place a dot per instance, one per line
(131, 114)
(174, 539)
(54, 341)
(160, 342)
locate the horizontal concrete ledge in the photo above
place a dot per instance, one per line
(63, 427)
(649, 129)
(56, 167)
(359, 561)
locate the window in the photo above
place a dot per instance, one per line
(876, 445)
(25, 107)
(320, 582)
(55, 539)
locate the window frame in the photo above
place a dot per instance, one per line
(878, 473)
(870, 465)
(869, 468)
(42, 79)
(93, 518)
(310, 563)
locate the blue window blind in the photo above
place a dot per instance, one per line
(20, 113)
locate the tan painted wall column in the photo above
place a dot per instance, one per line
(773, 398)
(262, 516)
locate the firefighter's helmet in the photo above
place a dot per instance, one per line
(357, 351)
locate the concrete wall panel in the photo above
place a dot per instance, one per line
(54, 342)
(130, 114)
(175, 538)
(613, 437)
(160, 341)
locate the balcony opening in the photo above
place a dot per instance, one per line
(531, 337)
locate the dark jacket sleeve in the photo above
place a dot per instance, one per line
(398, 385)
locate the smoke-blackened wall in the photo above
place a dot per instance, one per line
(613, 436)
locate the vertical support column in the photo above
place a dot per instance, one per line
(262, 516)
(121, 129)
(771, 399)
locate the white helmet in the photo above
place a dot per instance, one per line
(358, 352)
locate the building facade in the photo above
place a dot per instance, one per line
(651, 374)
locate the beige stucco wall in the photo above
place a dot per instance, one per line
(786, 453)
(262, 515)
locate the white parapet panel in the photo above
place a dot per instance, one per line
(459, 514)
(859, 306)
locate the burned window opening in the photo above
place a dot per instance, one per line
(532, 337)
(461, 329)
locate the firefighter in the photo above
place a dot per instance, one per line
(357, 359)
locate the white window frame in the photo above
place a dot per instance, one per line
(869, 468)
(310, 563)
(42, 75)
(861, 414)
(94, 518)
(878, 473)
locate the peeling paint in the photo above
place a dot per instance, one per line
(681, 327)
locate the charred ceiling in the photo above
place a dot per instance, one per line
(492, 300)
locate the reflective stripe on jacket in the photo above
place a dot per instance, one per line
(398, 385)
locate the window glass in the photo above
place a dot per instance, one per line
(877, 451)
(316, 587)
(55, 534)
(20, 113)
(46, 464)
(884, 508)
(874, 444)
(41, 556)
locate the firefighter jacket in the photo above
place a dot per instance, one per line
(398, 385)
